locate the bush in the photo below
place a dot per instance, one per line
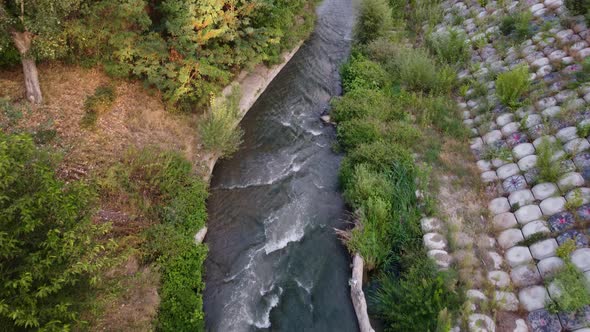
(219, 129)
(363, 103)
(103, 98)
(413, 301)
(449, 46)
(416, 70)
(49, 249)
(358, 131)
(363, 73)
(374, 20)
(518, 25)
(512, 85)
(365, 184)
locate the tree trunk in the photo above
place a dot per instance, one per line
(22, 41)
(358, 296)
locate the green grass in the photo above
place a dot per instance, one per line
(511, 86)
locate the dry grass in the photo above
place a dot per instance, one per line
(137, 118)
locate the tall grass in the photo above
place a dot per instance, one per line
(512, 85)
(219, 129)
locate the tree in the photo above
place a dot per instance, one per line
(48, 250)
(35, 28)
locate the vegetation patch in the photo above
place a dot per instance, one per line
(395, 104)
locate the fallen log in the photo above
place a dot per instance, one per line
(357, 294)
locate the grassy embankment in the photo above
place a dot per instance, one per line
(395, 117)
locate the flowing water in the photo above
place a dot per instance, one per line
(275, 263)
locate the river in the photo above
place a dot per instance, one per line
(275, 262)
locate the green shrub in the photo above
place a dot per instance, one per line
(573, 285)
(363, 103)
(378, 156)
(518, 24)
(219, 129)
(512, 85)
(449, 46)
(403, 133)
(358, 131)
(374, 20)
(549, 169)
(416, 70)
(363, 73)
(366, 183)
(370, 236)
(413, 301)
(49, 249)
(103, 98)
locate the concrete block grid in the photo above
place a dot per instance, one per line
(529, 218)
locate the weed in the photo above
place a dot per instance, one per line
(573, 288)
(583, 129)
(518, 25)
(549, 169)
(512, 85)
(497, 152)
(575, 200)
(534, 239)
(449, 46)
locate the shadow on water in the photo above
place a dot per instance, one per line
(275, 262)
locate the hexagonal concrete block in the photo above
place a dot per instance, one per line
(431, 225)
(504, 221)
(552, 205)
(434, 241)
(518, 255)
(509, 238)
(492, 136)
(506, 300)
(525, 275)
(581, 259)
(567, 134)
(527, 163)
(528, 213)
(522, 150)
(507, 171)
(544, 190)
(499, 278)
(499, 205)
(442, 258)
(533, 298)
(569, 181)
(481, 323)
(576, 145)
(534, 227)
(489, 176)
(544, 249)
(521, 198)
(549, 266)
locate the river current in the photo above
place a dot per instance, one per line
(275, 262)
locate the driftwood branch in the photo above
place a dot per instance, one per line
(358, 296)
